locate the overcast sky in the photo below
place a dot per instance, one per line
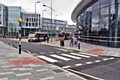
(63, 8)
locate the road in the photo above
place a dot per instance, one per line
(91, 66)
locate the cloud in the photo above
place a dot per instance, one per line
(63, 8)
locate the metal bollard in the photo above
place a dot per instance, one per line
(78, 45)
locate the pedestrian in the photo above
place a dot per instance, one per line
(71, 41)
(75, 41)
(47, 39)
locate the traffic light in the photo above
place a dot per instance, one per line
(80, 27)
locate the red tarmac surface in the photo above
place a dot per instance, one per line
(25, 61)
(96, 51)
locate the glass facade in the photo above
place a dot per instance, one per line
(57, 25)
(101, 23)
(13, 14)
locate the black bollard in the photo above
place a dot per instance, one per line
(78, 45)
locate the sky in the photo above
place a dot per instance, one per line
(63, 8)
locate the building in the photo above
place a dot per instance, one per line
(57, 26)
(31, 22)
(3, 19)
(99, 21)
(13, 13)
(9, 24)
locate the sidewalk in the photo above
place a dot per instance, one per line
(89, 48)
(15, 66)
(85, 47)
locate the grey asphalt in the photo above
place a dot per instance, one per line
(29, 71)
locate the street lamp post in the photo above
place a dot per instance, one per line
(42, 18)
(35, 12)
(55, 23)
(51, 17)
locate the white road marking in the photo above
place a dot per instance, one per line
(66, 67)
(78, 64)
(88, 54)
(22, 74)
(111, 58)
(48, 59)
(85, 74)
(105, 59)
(71, 56)
(40, 70)
(89, 62)
(98, 61)
(60, 57)
(48, 78)
(80, 55)
(6, 73)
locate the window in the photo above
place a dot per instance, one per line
(95, 5)
(104, 3)
(26, 24)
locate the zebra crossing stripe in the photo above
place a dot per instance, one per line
(80, 55)
(60, 57)
(88, 54)
(48, 59)
(71, 56)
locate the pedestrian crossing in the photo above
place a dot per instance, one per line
(73, 59)
(63, 56)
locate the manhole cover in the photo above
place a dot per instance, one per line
(57, 71)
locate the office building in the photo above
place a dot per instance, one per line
(57, 26)
(98, 21)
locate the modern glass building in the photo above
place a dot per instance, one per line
(3, 19)
(13, 13)
(57, 26)
(10, 26)
(99, 21)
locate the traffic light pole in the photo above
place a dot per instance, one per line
(20, 38)
(20, 21)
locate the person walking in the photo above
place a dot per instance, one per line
(71, 41)
(75, 41)
(47, 39)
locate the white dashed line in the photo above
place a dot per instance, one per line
(66, 67)
(111, 58)
(98, 61)
(105, 59)
(89, 62)
(78, 64)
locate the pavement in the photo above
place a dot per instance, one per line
(84, 47)
(24, 66)
(88, 48)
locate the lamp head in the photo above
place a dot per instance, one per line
(38, 2)
(44, 5)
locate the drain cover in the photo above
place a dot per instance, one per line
(57, 70)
